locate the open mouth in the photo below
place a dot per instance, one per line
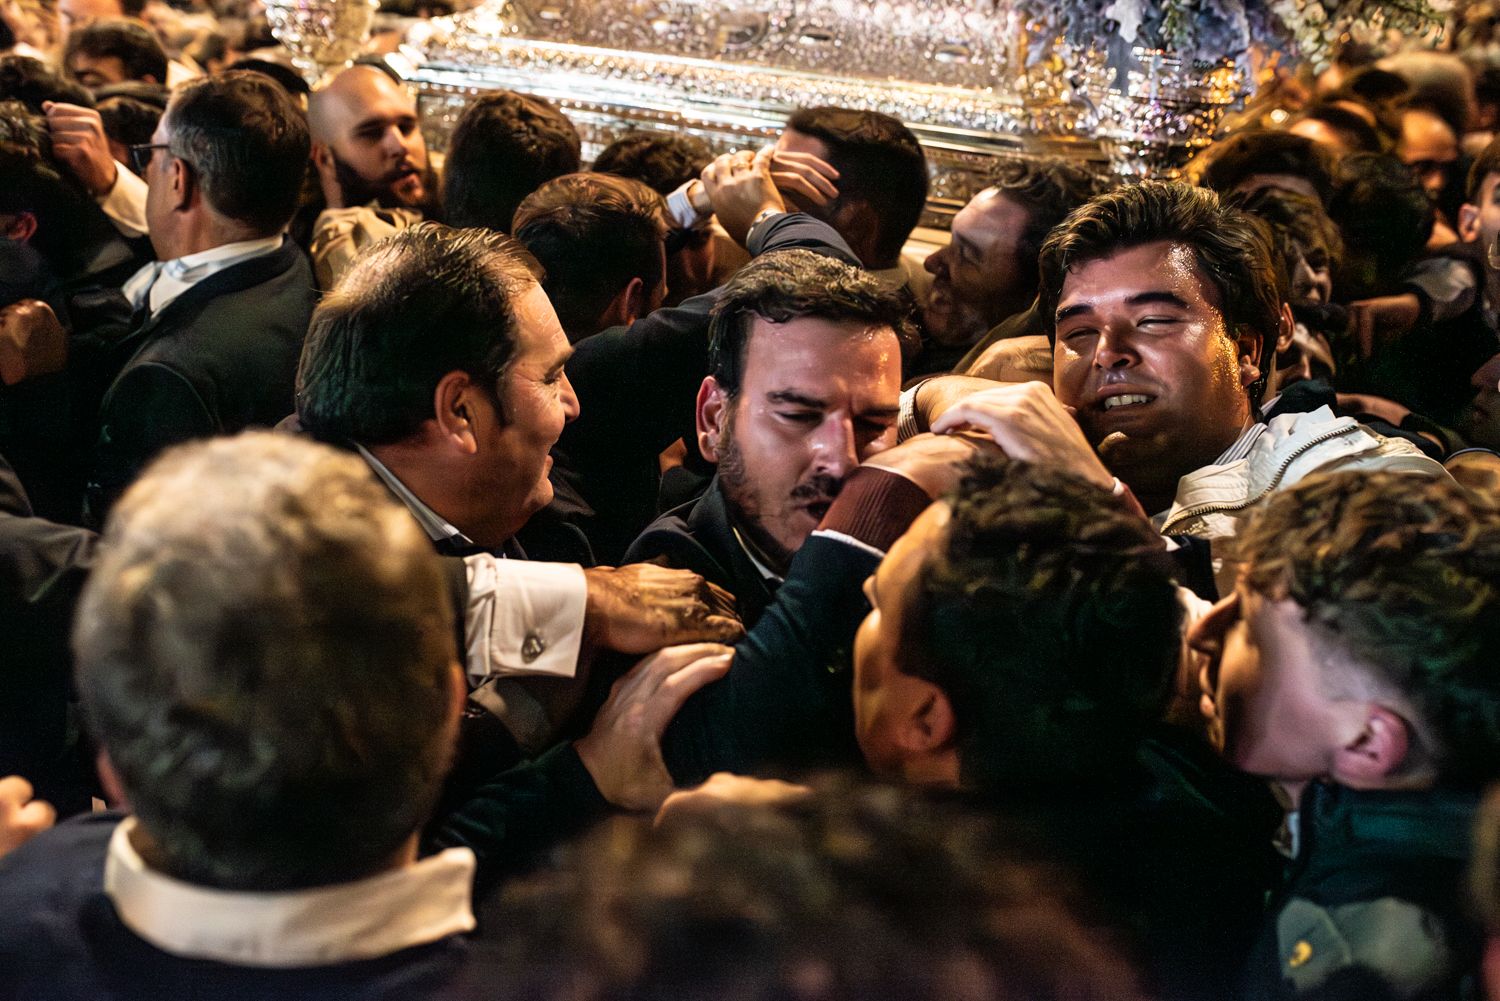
(1126, 400)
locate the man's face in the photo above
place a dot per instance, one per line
(1263, 689)
(1312, 281)
(978, 278)
(1429, 147)
(883, 693)
(1481, 423)
(1144, 358)
(82, 13)
(537, 400)
(816, 398)
(161, 195)
(98, 71)
(378, 150)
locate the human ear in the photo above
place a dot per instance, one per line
(1286, 329)
(928, 725)
(1377, 753)
(712, 417)
(183, 184)
(453, 409)
(1247, 346)
(1468, 222)
(22, 227)
(114, 791)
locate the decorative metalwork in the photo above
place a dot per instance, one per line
(1168, 110)
(323, 36)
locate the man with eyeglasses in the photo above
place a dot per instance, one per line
(218, 319)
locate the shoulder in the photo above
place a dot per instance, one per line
(46, 884)
(1396, 943)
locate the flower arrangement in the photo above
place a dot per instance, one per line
(1209, 31)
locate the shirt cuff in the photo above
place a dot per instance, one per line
(522, 618)
(875, 508)
(682, 211)
(907, 423)
(125, 203)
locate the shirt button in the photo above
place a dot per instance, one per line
(532, 647)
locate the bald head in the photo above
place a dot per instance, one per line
(365, 136)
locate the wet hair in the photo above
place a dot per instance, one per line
(1048, 189)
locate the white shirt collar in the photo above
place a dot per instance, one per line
(394, 910)
(438, 528)
(164, 281)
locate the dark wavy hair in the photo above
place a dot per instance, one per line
(789, 284)
(1232, 250)
(1402, 572)
(1049, 617)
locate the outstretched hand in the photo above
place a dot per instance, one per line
(643, 607)
(622, 750)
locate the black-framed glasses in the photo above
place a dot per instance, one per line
(141, 154)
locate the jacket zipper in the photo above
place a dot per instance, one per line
(1202, 509)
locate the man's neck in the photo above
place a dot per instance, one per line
(200, 233)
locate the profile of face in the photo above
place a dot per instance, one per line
(1144, 358)
(903, 723)
(816, 397)
(168, 184)
(1429, 147)
(537, 399)
(368, 128)
(100, 71)
(978, 276)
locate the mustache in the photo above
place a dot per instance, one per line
(818, 487)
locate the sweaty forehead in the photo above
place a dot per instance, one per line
(813, 354)
(357, 95)
(1150, 268)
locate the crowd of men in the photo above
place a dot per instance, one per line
(478, 576)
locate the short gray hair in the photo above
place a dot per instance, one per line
(265, 649)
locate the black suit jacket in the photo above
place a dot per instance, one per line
(219, 358)
(637, 388)
(699, 536)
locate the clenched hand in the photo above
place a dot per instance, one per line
(644, 607)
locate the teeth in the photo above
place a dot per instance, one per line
(1125, 400)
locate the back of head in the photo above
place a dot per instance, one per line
(291, 81)
(1357, 134)
(1019, 617)
(1298, 224)
(131, 111)
(425, 302)
(247, 143)
(504, 147)
(663, 161)
(790, 284)
(1233, 252)
(270, 667)
(131, 42)
(1385, 218)
(879, 162)
(1399, 573)
(33, 82)
(1440, 81)
(592, 234)
(67, 220)
(855, 893)
(1243, 155)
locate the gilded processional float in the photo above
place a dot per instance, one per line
(1139, 85)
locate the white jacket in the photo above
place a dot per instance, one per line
(1211, 501)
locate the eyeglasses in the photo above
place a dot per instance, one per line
(141, 154)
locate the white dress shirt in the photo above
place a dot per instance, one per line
(398, 909)
(160, 282)
(125, 203)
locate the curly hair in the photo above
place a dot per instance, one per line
(1401, 572)
(1021, 616)
(1049, 188)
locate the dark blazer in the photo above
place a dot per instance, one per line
(637, 387)
(219, 358)
(698, 536)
